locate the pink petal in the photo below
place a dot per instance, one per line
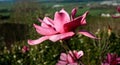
(118, 59)
(109, 57)
(37, 41)
(113, 16)
(43, 24)
(40, 20)
(105, 64)
(83, 21)
(61, 63)
(57, 37)
(58, 64)
(76, 22)
(44, 30)
(73, 24)
(70, 59)
(46, 21)
(63, 57)
(79, 54)
(118, 9)
(67, 17)
(73, 64)
(75, 53)
(87, 34)
(60, 19)
(72, 54)
(74, 11)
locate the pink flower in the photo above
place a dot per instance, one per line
(115, 16)
(118, 10)
(25, 49)
(71, 58)
(112, 59)
(60, 28)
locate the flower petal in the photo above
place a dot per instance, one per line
(73, 63)
(118, 9)
(83, 21)
(57, 37)
(79, 54)
(67, 17)
(37, 41)
(109, 57)
(114, 16)
(63, 57)
(43, 24)
(47, 21)
(40, 20)
(88, 34)
(76, 22)
(70, 59)
(105, 64)
(72, 54)
(60, 19)
(73, 24)
(44, 30)
(61, 63)
(73, 12)
(118, 60)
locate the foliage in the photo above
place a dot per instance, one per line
(26, 12)
(47, 53)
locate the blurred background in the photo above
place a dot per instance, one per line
(16, 27)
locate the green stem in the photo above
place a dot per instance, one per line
(62, 44)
